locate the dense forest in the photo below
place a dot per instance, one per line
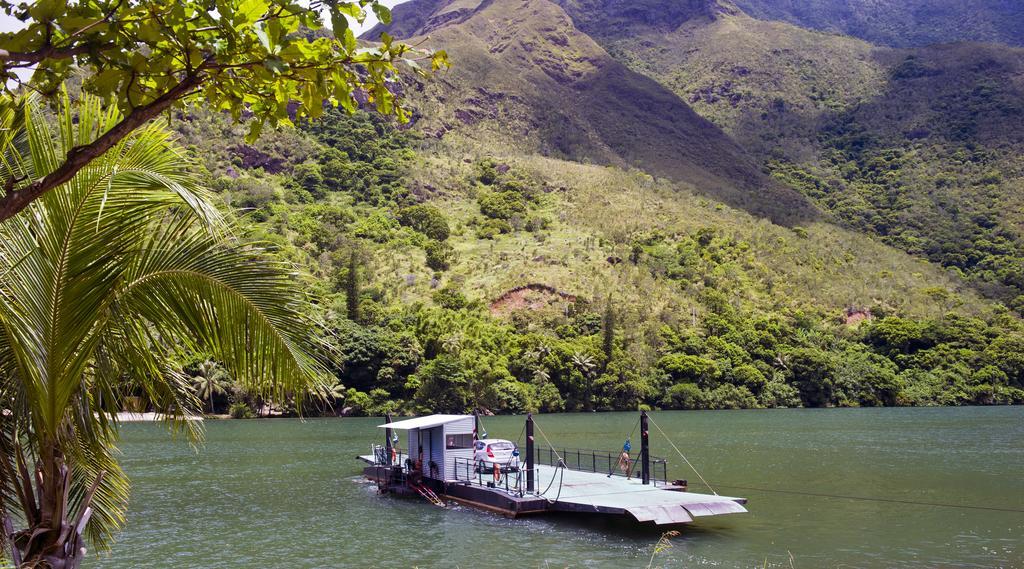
(411, 250)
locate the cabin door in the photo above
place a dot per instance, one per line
(435, 451)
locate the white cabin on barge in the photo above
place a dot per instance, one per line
(437, 441)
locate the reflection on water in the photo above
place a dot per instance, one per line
(285, 493)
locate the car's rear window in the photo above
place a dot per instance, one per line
(501, 446)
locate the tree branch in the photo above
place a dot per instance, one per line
(78, 157)
(49, 52)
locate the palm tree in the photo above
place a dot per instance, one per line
(452, 343)
(585, 364)
(103, 282)
(331, 393)
(541, 376)
(210, 380)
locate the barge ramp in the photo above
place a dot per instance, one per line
(599, 493)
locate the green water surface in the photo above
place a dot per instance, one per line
(288, 493)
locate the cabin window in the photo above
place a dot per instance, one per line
(459, 441)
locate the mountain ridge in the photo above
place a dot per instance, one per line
(601, 18)
(917, 146)
(526, 68)
(909, 23)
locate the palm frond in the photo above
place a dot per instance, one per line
(102, 281)
(234, 302)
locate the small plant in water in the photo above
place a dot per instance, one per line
(663, 545)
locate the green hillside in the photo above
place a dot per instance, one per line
(448, 279)
(554, 231)
(904, 23)
(919, 147)
(529, 78)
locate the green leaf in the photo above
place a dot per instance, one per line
(439, 60)
(275, 65)
(105, 82)
(352, 9)
(47, 10)
(383, 14)
(73, 23)
(250, 11)
(349, 40)
(149, 32)
(339, 23)
(255, 128)
(264, 39)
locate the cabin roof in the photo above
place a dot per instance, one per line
(424, 422)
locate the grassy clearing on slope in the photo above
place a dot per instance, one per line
(597, 212)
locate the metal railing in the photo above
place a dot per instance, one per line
(512, 477)
(603, 462)
(381, 456)
(477, 472)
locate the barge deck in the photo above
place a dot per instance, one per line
(582, 492)
(584, 482)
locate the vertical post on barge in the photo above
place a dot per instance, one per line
(645, 447)
(476, 425)
(529, 453)
(387, 440)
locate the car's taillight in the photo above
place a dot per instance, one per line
(489, 453)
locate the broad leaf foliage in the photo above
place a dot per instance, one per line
(264, 58)
(253, 56)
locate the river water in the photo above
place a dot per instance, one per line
(287, 493)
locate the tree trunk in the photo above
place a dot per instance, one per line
(52, 539)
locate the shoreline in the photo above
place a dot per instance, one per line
(131, 417)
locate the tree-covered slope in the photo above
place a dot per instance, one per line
(529, 77)
(901, 23)
(450, 276)
(920, 147)
(557, 231)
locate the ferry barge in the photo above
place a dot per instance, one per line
(445, 465)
